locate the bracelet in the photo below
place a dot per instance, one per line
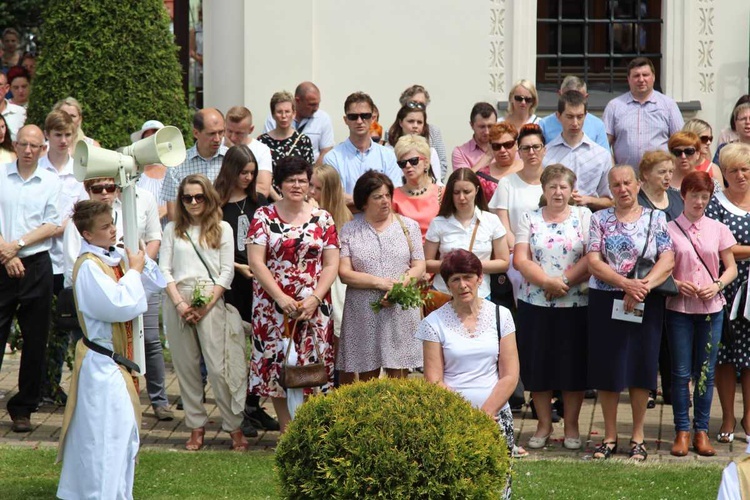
(320, 301)
(178, 304)
(719, 284)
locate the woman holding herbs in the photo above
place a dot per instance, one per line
(695, 316)
(293, 251)
(197, 260)
(379, 249)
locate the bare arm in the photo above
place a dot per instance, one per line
(433, 363)
(263, 183)
(432, 263)
(502, 213)
(508, 373)
(323, 152)
(356, 279)
(9, 249)
(256, 256)
(152, 248)
(171, 210)
(501, 257)
(741, 252)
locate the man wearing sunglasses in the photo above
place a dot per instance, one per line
(310, 120)
(358, 153)
(574, 149)
(593, 126)
(149, 231)
(640, 120)
(477, 153)
(28, 218)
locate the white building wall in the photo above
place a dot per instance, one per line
(462, 52)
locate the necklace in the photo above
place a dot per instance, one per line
(242, 208)
(417, 192)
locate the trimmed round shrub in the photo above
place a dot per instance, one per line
(392, 438)
(118, 59)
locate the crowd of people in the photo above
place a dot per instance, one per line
(574, 254)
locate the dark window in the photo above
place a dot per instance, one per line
(595, 39)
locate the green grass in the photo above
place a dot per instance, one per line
(27, 473)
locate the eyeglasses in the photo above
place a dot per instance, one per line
(536, 147)
(100, 188)
(301, 182)
(412, 161)
(415, 105)
(24, 145)
(707, 139)
(520, 98)
(353, 117)
(679, 152)
(187, 199)
(497, 146)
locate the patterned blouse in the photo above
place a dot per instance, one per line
(295, 145)
(621, 243)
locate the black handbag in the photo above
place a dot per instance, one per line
(66, 314)
(727, 335)
(643, 266)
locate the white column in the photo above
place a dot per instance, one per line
(224, 43)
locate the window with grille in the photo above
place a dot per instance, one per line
(595, 40)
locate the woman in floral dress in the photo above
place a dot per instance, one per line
(293, 253)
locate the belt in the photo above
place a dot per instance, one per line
(120, 360)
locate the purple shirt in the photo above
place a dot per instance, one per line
(638, 128)
(710, 237)
(467, 155)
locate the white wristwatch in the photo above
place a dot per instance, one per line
(21, 243)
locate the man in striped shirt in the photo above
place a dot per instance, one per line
(577, 151)
(640, 120)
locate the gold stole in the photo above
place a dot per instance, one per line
(743, 473)
(122, 341)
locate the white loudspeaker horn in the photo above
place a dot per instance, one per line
(166, 146)
(91, 162)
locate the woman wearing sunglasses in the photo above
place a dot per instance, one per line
(704, 131)
(522, 103)
(505, 160)
(686, 149)
(197, 257)
(412, 119)
(419, 197)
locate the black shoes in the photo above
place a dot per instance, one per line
(262, 420)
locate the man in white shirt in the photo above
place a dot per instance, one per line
(149, 231)
(239, 127)
(15, 116)
(310, 120)
(28, 219)
(574, 149)
(59, 129)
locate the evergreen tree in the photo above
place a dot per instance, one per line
(118, 59)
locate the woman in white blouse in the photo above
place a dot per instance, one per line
(550, 254)
(197, 257)
(464, 222)
(469, 344)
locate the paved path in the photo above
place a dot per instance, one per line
(172, 435)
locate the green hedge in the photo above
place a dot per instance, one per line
(118, 59)
(392, 439)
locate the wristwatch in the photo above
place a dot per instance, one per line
(565, 279)
(21, 243)
(721, 285)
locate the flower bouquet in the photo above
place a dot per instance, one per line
(408, 296)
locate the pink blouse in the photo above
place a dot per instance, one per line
(422, 209)
(710, 237)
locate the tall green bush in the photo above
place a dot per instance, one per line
(392, 439)
(118, 59)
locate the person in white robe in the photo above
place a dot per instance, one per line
(99, 440)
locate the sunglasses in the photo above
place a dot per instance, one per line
(707, 139)
(687, 152)
(353, 117)
(520, 98)
(100, 188)
(412, 161)
(529, 147)
(188, 198)
(415, 105)
(497, 146)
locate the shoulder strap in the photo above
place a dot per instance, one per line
(694, 249)
(497, 322)
(200, 257)
(406, 233)
(474, 235)
(648, 233)
(289, 153)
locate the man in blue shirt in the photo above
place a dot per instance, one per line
(593, 126)
(358, 154)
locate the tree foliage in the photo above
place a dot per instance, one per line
(21, 14)
(118, 59)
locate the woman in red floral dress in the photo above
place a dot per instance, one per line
(293, 251)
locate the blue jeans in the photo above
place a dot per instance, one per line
(688, 336)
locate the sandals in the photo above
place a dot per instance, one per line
(726, 437)
(239, 443)
(604, 450)
(195, 442)
(638, 451)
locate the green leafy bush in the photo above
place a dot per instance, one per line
(118, 59)
(392, 438)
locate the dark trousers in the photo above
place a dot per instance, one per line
(53, 366)
(29, 299)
